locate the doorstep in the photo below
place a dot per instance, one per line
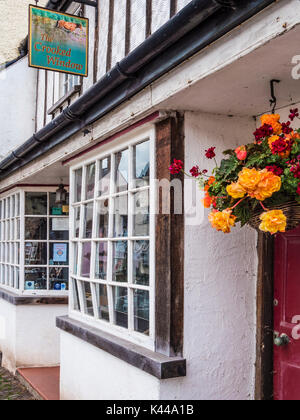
(43, 383)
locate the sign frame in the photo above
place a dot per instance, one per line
(30, 6)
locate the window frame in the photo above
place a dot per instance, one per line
(127, 141)
(22, 266)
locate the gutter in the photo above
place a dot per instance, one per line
(196, 26)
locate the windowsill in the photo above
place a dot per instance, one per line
(65, 98)
(156, 364)
(19, 300)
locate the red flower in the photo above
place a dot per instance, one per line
(286, 129)
(176, 167)
(265, 131)
(210, 153)
(281, 146)
(293, 114)
(195, 171)
(275, 169)
(296, 170)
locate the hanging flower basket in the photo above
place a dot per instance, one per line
(257, 184)
(291, 210)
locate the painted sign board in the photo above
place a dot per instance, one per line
(60, 252)
(58, 41)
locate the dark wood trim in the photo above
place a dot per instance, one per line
(158, 365)
(18, 300)
(265, 312)
(169, 244)
(96, 43)
(37, 99)
(75, 89)
(173, 8)
(110, 35)
(148, 18)
(45, 97)
(128, 27)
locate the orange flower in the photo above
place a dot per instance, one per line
(249, 179)
(269, 184)
(222, 221)
(207, 201)
(273, 221)
(273, 121)
(209, 183)
(281, 146)
(235, 190)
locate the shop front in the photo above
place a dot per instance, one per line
(34, 275)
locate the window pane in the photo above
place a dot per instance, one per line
(35, 253)
(121, 171)
(121, 306)
(102, 301)
(88, 220)
(13, 206)
(78, 185)
(141, 263)
(59, 254)
(121, 216)
(35, 228)
(101, 261)
(35, 278)
(86, 259)
(141, 311)
(141, 164)
(75, 266)
(76, 296)
(141, 214)
(77, 221)
(8, 208)
(59, 278)
(102, 219)
(120, 262)
(89, 310)
(35, 203)
(17, 278)
(18, 229)
(90, 181)
(104, 176)
(57, 209)
(18, 253)
(59, 229)
(18, 205)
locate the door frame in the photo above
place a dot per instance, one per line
(265, 318)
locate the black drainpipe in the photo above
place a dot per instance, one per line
(196, 26)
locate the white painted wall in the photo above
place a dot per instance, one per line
(17, 105)
(100, 376)
(28, 336)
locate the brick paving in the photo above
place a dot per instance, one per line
(11, 389)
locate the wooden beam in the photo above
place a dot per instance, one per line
(265, 309)
(169, 245)
(110, 35)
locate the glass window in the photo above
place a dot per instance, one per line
(101, 261)
(35, 228)
(35, 278)
(35, 253)
(120, 262)
(75, 296)
(88, 220)
(59, 229)
(86, 259)
(141, 164)
(121, 306)
(59, 278)
(121, 171)
(102, 302)
(113, 249)
(36, 203)
(78, 185)
(90, 181)
(141, 263)
(104, 176)
(59, 253)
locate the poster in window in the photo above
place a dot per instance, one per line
(60, 252)
(58, 41)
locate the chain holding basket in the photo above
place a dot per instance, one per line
(257, 184)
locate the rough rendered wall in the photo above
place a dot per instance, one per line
(14, 26)
(220, 285)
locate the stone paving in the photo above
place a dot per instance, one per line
(11, 389)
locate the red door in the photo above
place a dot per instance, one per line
(287, 316)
